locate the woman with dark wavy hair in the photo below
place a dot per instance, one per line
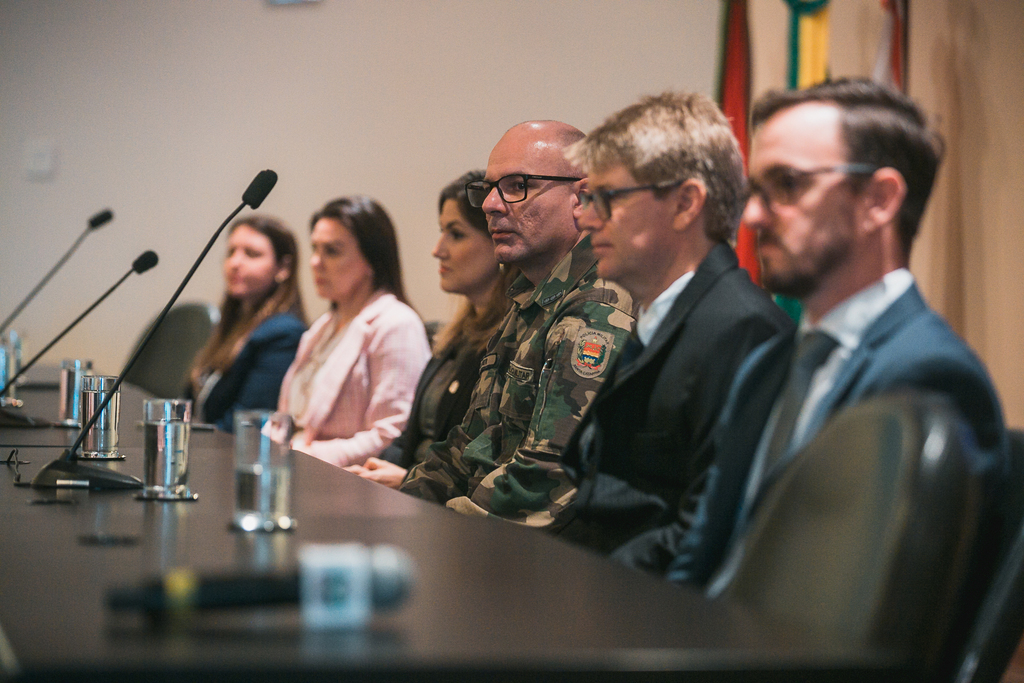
(352, 383)
(467, 267)
(261, 322)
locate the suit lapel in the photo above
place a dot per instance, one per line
(908, 306)
(758, 384)
(338, 366)
(717, 263)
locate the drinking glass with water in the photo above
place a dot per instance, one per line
(167, 426)
(263, 471)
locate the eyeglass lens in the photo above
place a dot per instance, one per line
(783, 186)
(512, 188)
(600, 202)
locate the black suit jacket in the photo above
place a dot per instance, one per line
(650, 426)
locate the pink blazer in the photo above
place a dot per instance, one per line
(360, 399)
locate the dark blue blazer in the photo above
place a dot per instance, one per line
(650, 426)
(254, 380)
(908, 347)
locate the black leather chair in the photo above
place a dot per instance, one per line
(1000, 622)
(877, 534)
(163, 367)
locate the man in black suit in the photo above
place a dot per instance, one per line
(665, 193)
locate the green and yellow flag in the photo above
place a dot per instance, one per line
(808, 65)
(808, 42)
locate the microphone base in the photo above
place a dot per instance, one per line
(14, 419)
(71, 474)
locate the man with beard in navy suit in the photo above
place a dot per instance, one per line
(839, 177)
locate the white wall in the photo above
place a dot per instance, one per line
(164, 110)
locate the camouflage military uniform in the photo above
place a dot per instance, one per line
(539, 374)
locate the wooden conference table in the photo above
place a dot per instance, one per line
(491, 600)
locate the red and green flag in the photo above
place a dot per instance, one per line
(734, 99)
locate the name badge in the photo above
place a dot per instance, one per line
(519, 374)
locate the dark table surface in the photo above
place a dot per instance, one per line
(491, 599)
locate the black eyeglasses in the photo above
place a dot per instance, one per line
(602, 199)
(783, 185)
(511, 188)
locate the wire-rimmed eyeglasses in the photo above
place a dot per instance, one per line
(784, 185)
(602, 199)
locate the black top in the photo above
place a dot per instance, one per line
(463, 365)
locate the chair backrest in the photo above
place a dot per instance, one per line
(163, 367)
(1000, 623)
(868, 536)
(432, 327)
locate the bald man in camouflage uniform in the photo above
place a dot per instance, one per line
(552, 352)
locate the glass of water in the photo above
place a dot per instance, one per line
(166, 424)
(101, 441)
(10, 365)
(263, 471)
(69, 408)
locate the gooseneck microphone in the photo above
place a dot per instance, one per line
(98, 220)
(253, 196)
(66, 471)
(144, 262)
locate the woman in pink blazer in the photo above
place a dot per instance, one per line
(351, 386)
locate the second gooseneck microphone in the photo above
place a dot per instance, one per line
(144, 262)
(66, 471)
(98, 220)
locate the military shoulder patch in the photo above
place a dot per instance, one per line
(593, 351)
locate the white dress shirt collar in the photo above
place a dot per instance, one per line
(848, 321)
(649, 319)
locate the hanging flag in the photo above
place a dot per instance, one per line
(891, 59)
(808, 42)
(811, 57)
(734, 99)
(808, 65)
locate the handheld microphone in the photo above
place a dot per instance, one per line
(144, 262)
(337, 586)
(97, 221)
(66, 471)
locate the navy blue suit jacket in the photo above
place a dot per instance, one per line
(254, 380)
(908, 347)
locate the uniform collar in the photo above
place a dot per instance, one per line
(562, 278)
